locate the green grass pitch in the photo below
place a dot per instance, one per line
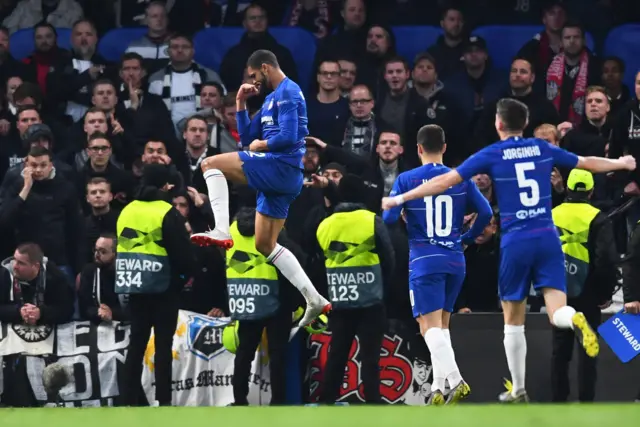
(579, 415)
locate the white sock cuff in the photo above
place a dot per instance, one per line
(212, 172)
(513, 329)
(434, 336)
(276, 252)
(563, 317)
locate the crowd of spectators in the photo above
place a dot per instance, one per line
(76, 130)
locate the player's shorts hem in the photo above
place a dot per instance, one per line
(271, 215)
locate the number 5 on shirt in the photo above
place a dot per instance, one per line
(527, 183)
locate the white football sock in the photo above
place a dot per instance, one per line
(447, 335)
(218, 198)
(443, 354)
(563, 317)
(438, 376)
(515, 347)
(290, 268)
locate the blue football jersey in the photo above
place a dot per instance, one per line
(283, 117)
(521, 172)
(435, 223)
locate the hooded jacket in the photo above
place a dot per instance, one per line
(50, 291)
(97, 286)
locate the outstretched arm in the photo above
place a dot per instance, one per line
(435, 186)
(601, 164)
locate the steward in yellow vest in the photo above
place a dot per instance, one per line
(359, 262)
(153, 250)
(590, 261)
(259, 298)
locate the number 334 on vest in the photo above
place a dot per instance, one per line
(142, 264)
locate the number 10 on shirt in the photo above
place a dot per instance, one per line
(439, 215)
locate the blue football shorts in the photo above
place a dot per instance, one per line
(276, 182)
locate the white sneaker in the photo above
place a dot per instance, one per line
(314, 309)
(213, 237)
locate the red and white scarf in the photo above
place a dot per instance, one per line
(555, 76)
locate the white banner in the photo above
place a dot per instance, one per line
(203, 368)
(95, 357)
(25, 339)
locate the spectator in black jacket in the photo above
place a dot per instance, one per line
(145, 115)
(46, 58)
(37, 135)
(99, 150)
(96, 297)
(450, 46)
(71, 85)
(103, 217)
(256, 37)
(33, 290)
(521, 82)
(626, 138)
(43, 208)
(8, 65)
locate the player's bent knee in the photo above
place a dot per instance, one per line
(265, 247)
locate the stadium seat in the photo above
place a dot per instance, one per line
(411, 40)
(113, 44)
(212, 44)
(624, 42)
(504, 41)
(21, 42)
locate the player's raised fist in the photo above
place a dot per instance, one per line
(629, 162)
(247, 90)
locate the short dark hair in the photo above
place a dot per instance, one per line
(85, 21)
(31, 250)
(98, 135)
(28, 90)
(194, 117)
(5, 30)
(260, 57)
(129, 56)
(109, 236)
(43, 24)
(102, 82)
(619, 61)
(446, 9)
(527, 60)
(397, 59)
(28, 107)
(431, 138)
(93, 110)
(327, 61)
(39, 151)
(513, 114)
(573, 24)
(177, 36)
(217, 85)
(96, 180)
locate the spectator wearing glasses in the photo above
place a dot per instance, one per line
(360, 132)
